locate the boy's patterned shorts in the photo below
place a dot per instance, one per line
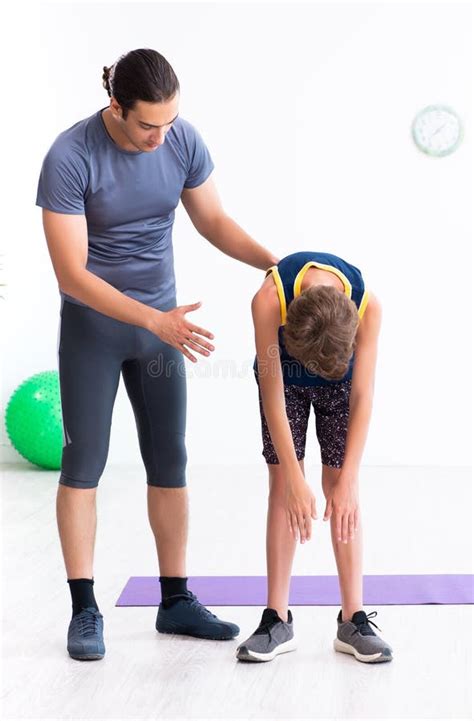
(331, 407)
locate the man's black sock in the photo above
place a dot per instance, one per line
(171, 586)
(82, 593)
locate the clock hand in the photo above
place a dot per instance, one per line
(440, 128)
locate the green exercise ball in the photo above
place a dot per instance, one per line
(33, 420)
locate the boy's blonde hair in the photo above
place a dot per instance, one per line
(320, 330)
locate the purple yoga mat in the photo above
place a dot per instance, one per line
(309, 590)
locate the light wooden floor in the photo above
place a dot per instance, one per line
(416, 520)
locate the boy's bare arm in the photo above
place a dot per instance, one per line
(362, 391)
(301, 504)
(266, 318)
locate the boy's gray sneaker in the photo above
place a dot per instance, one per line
(357, 637)
(272, 637)
(85, 637)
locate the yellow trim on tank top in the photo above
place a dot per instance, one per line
(363, 304)
(281, 293)
(321, 266)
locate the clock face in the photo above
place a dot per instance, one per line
(437, 130)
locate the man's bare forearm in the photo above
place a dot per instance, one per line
(103, 297)
(226, 235)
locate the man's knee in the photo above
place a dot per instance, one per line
(66, 481)
(169, 470)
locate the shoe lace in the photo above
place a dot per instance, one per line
(196, 604)
(364, 625)
(88, 623)
(265, 627)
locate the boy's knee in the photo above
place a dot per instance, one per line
(329, 478)
(277, 497)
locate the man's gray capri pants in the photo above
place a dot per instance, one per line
(94, 350)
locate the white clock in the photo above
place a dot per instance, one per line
(437, 130)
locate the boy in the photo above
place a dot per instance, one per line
(310, 315)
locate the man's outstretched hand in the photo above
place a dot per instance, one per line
(173, 328)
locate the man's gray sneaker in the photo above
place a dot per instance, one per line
(85, 637)
(272, 637)
(357, 637)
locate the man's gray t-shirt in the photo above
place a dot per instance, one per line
(129, 200)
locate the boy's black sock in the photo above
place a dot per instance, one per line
(171, 586)
(82, 593)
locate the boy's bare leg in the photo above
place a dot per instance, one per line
(348, 556)
(77, 522)
(281, 544)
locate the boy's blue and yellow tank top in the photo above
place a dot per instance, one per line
(288, 277)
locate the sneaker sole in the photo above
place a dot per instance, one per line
(246, 654)
(179, 631)
(87, 657)
(378, 657)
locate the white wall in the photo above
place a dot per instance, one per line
(306, 109)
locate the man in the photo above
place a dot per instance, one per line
(109, 187)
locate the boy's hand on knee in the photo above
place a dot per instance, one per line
(343, 503)
(301, 510)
